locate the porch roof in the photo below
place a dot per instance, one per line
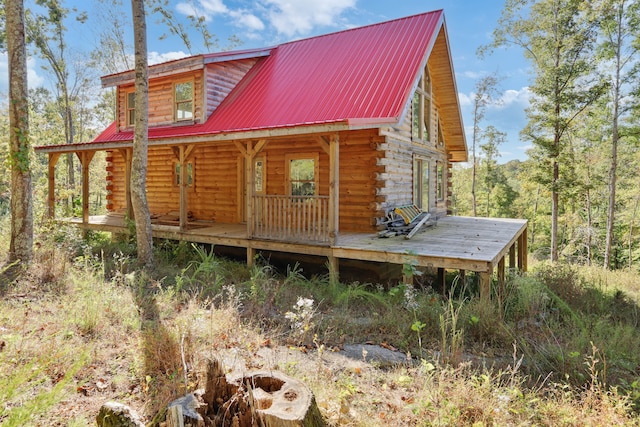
(358, 78)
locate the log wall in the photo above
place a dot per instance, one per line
(161, 101)
(213, 195)
(398, 153)
(218, 178)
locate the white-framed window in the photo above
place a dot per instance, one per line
(130, 100)
(440, 181)
(421, 178)
(421, 110)
(183, 100)
(176, 174)
(302, 174)
(260, 178)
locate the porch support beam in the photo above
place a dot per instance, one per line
(501, 286)
(442, 281)
(522, 251)
(324, 143)
(485, 285)
(334, 188)
(512, 257)
(53, 159)
(184, 153)
(250, 152)
(251, 255)
(334, 266)
(85, 158)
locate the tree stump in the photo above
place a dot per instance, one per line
(261, 398)
(114, 414)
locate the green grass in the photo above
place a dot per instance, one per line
(563, 348)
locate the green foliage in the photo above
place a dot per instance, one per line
(452, 334)
(43, 401)
(203, 276)
(358, 293)
(261, 281)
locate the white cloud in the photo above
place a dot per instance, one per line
(247, 20)
(4, 73)
(210, 8)
(157, 58)
(511, 97)
(465, 99)
(33, 78)
(475, 75)
(206, 8)
(214, 6)
(299, 17)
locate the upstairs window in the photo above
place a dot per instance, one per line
(183, 98)
(421, 110)
(131, 108)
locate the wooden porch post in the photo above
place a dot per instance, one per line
(485, 285)
(442, 280)
(53, 159)
(334, 188)
(183, 154)
(184, 201)
(522, 251)
(85, 160)
(250, 153)
(126, 154)
(512, 257)
(334, 201)
(501, 287)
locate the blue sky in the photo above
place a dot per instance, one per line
(267, 22)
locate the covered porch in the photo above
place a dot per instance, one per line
(486, 246)
(263, 215)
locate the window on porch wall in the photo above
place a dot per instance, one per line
(302, 177)
(421, 168)
(176, 174)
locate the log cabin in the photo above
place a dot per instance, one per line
(303, 148)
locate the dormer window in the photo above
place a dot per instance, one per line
(183, 101)
(421, 119)
(131, 108)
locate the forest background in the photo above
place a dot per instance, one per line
(578, 185)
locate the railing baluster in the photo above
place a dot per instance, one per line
(291, 217)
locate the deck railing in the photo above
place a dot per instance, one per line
(291, 218)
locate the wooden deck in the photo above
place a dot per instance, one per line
(463, 243)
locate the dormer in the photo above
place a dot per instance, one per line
(185, 91)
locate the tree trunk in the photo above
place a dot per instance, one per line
(613, 170)
(21, 244)
(139, 157)
(554, 211)
(262, 398)
(534, 217)
(474, 202)
(631, 225)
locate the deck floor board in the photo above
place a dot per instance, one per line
(475, 244)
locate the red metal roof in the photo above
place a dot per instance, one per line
(360, 77)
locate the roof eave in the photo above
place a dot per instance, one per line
(276, 132)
